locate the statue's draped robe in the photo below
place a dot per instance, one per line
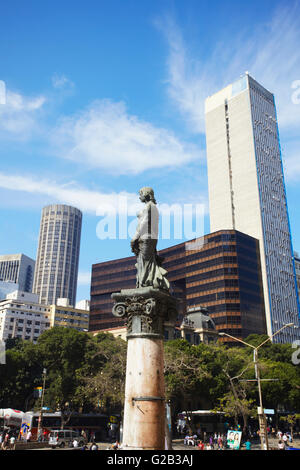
(149, 269)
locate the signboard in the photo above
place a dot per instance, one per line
(234, 439)
(37, 392)
(269, 412)
(113, 420)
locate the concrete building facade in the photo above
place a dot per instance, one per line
(62, 314)
(247, 191)
(57, 261)
(22, 316)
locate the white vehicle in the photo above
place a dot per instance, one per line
(64, 438)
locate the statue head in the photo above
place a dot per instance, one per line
(147, 194)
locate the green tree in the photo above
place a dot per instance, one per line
(102, 378)
(62, 353)
(291, 420)
(19, 375)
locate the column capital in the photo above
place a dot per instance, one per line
(145, 310)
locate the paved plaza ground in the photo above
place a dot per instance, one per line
(177, 444)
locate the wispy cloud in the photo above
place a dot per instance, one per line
(19, 115)
(187, 78)
(84, 278)
(93, 202)
(103, 136)
(60, 81)
(291, 160)
(106, 136)
(268, 51)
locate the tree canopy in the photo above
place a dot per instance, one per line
(86, 372)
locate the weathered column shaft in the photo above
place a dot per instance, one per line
(144, 411)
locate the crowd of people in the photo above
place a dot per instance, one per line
(8, 440)
(218, 441)
(215, 441)
(284, 440)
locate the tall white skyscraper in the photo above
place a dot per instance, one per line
(56, 269)
(247, 192)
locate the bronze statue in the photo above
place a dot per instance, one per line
(143, 244)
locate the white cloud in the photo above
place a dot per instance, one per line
(19, 116)
(188, 80)
(105, 136)
(270, 52)
(61, 81)
(84, 199)
(84, 278)
(94, 202)
(291, 160)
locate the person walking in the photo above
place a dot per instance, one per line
(248, 444)
(201, 445)
(75, 443)
(12, 443)
(285, 439)
(281, 445)
(28, 436)
(5, 442)
(94, 446)
(115, 445)
(220, 443)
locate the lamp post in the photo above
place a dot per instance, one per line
(39, 430)
(261, 415)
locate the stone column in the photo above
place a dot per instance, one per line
(145, 311)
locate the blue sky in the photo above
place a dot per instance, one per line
(103, 98)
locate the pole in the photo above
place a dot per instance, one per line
(39, 430)
(263, 434)
(261, 415)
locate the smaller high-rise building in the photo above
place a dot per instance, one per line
(22, 316)
(63, 314)
(19, 269)
(56, 270)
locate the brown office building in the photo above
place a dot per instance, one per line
(220, 271)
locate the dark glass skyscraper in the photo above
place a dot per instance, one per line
(56, 269)
(220, 272)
